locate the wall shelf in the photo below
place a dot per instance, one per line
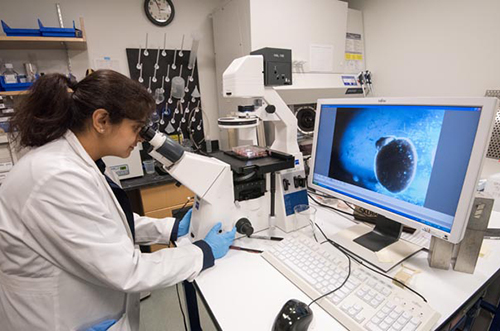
(45, 42)
(13, 93)
(16, 93)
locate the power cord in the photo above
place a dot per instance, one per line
(332, 197)
(351, 207)
(343, 250)
(369, 218)
(187, 201)
(340, 286)
(180, 306)
(338, 211)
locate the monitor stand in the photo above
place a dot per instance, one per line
(383, 253)
(385, 233)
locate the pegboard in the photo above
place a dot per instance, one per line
(494, 146)
(174, 116)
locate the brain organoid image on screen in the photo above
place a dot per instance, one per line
(395, 163)
(387, 150)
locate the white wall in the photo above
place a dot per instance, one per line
(444, 47)
(111, 27)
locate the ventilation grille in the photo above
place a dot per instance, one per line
(494, 147)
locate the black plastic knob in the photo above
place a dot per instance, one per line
(286, 184)
(244, 226)
(299, 181)
(270, 109)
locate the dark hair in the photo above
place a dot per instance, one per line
(49, 109)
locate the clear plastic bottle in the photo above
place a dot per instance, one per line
(10, 76)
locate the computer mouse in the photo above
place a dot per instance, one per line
(294, 316)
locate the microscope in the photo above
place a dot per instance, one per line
(250, 192)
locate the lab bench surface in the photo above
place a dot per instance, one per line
(448, 292)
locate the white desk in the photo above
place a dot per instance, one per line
(244, 292)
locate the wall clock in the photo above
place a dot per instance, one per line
(159, 12)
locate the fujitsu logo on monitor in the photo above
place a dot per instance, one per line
(382, 100)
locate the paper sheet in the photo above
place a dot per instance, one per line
(492, 190)
(321, 58)
(354, 52)
(384, 256)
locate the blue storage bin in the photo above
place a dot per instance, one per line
(5, 126)
(20, 32)
(59, 32)
(14, 87)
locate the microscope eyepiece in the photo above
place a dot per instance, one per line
(147, 133)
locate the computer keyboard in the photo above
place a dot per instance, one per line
(367, 301)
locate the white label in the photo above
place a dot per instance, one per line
(10, 79)
(5, 166)
(2, 106)
(121, 170)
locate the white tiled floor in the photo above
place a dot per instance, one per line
(161, 312)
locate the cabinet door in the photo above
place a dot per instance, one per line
(161, 201)
(161, 213)
(162, 197)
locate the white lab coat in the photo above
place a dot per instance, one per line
(67, 260)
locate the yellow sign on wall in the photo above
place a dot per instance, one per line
(353, 56)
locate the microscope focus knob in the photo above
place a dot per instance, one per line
(244, 226)
(286, 184)
(270, 109)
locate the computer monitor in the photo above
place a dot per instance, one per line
(415, 161)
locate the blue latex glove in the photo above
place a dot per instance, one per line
(220, 242)
(103, 326)
(184, 224)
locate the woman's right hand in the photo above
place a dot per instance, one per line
(220, 242)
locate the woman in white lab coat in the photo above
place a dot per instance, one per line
(68, 260)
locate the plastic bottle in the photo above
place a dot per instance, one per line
(177, 88)
(10, 76)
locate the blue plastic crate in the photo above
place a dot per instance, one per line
(5, 126)
(59, 32)
(14, 87)
(20, 32)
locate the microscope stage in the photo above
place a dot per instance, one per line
(276, 161)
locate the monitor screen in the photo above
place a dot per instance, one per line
(408, 160)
